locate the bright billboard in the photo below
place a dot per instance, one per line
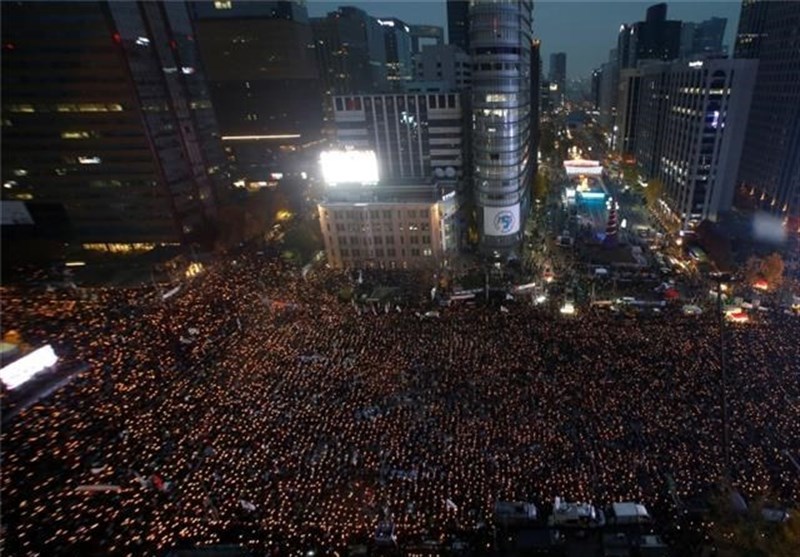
(18, 372)
(581, 166)
(501, 221)
(349, 167)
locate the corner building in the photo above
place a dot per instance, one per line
(500, 45)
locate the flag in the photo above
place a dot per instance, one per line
(157, 482)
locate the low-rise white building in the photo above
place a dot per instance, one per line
(397, 228)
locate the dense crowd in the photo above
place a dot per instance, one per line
(255, 406)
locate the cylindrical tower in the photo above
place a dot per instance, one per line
(500, 45)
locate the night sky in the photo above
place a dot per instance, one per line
(586, 31)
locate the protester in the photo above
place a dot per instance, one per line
(256, 407)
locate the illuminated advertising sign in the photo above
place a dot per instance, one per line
(19, 372)
(578, 167)
(349, 167)
(501, 221)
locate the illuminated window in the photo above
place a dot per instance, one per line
(20, 172)
(21, 108)
(89, 160)
(223, 5)
(496, 98)
(89, 107)
(75, 135)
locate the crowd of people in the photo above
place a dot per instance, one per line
(256, 407)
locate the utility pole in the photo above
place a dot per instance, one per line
(720, 278)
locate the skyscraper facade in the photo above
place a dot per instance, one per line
(558, 71)
(399, 64)
(424, 35)
(655, 38)
(445, 64)
(415, 136)
(262, 73)
(627, 110)
(106, 114)
(770, 164)
(500, 45)
(750, 32)
(703, 39)
(695, 119)
(458, 23)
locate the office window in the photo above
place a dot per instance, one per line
(432, 101)
(339, 105)
(451, 101)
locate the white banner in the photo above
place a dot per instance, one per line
(501, 221)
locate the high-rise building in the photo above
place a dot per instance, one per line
(458, 23)
(597, 79)
(262, 72)
(536, 79)
(692, 119)
(424, 35)
(703, 39)
(414, 136)
(627, 110)
(107, 120)
(608, 93)
(351, 51)
(446, 64)
(770, 164)
(751, 28)
(688, 29)
(655, 38)
(558, 71)
(708, 37)
(399, 64)
(500, 45)
(626, 54)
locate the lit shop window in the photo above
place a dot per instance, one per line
(223, 5)
(75, 135)
(89, 160)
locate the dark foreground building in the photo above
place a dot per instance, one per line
(108, 131)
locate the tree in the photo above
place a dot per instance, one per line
(653, 192)
(304, 239)
(772, 268)
(741, 531)
(630, 175)
(751, 271)
(541, 186)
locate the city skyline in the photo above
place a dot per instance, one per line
(597, 21)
